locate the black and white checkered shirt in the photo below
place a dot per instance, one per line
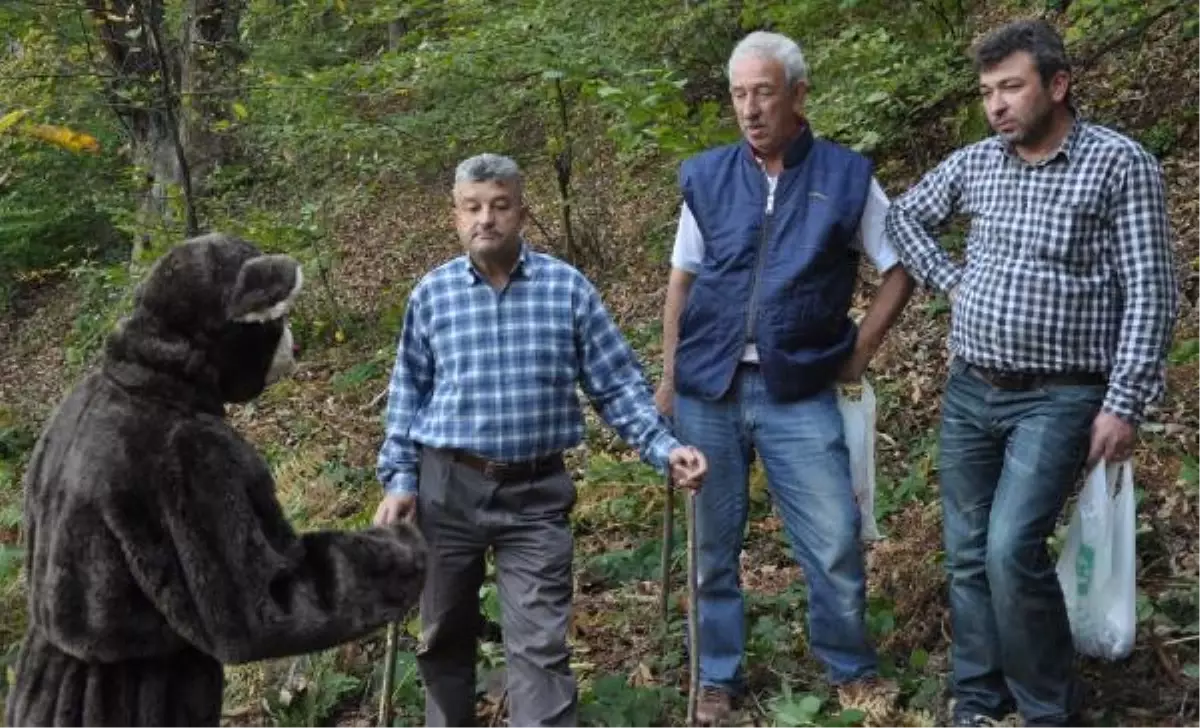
(1068, 264)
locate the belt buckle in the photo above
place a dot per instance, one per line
(489, 469)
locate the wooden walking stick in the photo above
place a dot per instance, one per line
(668, 546)
(389, 675)
(693, 611)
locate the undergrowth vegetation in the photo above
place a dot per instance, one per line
(331, 134)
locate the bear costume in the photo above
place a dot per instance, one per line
(156, 549)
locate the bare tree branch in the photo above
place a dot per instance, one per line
(1129, 34)
(80, 74)
(562, 166)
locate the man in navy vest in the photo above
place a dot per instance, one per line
(756, 335)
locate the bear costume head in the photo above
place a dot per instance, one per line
(212, 313)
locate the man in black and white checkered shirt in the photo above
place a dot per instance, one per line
(1061, 320)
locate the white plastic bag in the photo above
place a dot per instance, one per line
(859, 418)
(1097, 566)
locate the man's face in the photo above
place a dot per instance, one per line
(1019, 106)
(488, 216)
(766, 106)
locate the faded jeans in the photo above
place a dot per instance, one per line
(1009, 460)
(803, 451)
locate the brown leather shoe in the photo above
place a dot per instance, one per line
(874, 696)
(713, 707)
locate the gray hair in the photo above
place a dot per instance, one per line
(775, 47)
(488, 167)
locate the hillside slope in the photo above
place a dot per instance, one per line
(320, 431)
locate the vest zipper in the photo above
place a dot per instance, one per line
(768, 213)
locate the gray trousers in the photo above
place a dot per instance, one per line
(462, 514)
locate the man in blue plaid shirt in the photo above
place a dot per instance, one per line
(1061, 321)
(482, 403)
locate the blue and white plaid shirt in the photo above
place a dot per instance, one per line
(1068, 265)
(495, 372)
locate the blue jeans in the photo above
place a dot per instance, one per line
(803, 451)
(1009, 460)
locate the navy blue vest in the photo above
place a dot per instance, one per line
(784, 280)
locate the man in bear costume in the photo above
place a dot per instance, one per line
(156, 547)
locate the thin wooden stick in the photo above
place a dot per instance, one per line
(693, 611)
(668, 546)
(1189, 638)
(389, 676)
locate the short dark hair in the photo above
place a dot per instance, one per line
(1035, 36)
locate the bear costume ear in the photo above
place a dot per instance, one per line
(266, 288)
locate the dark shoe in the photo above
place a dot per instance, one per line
(713, 707)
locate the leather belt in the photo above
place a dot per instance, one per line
(1023, 381)
(503, 472)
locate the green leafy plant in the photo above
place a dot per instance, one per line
(611, 701)
(637, 564)
(804, 709)
(408, 695)
(1185, 351)
(312, 693)
(107, 295)
(1189, 472)
(16, 441)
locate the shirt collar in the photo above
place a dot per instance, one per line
(796, 151)
(1067, 149)
(525, 267)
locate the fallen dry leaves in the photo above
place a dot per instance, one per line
(384, 247)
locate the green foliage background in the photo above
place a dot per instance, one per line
(341, 105)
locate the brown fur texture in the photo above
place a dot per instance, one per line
(156, 547)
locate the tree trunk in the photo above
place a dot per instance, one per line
(137, 102)
(133, 91)
(562, 165)
(396, 31)
(208, 84)
(170, 107)
(173, 119)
